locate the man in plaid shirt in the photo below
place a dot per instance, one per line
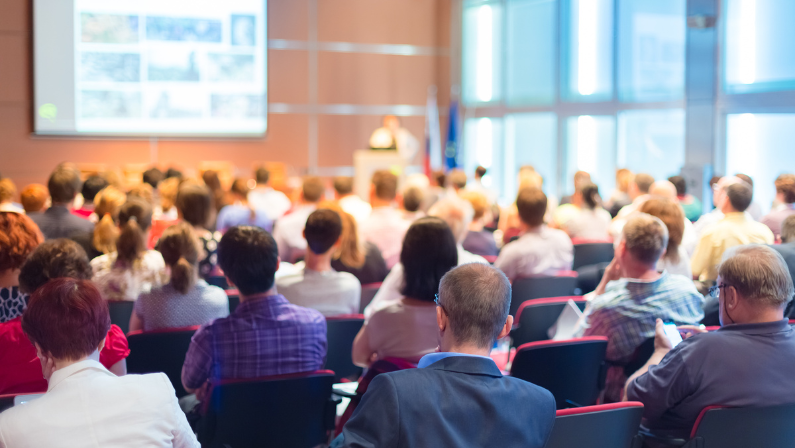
(632, 295)
(266, 335)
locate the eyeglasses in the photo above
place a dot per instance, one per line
(714, 292)
(436, 301)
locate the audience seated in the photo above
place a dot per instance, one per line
(435, 191)
(675, 261)
(85, 404)
(410, 202)
(240, 212)
(58, 221)
(632, 294)
(754, 209)
(748, 362)
(476, 184)
(360, 258)
(478, 240)
(130, 269)
(263, 197)
(691, 205)
(92, 186)
(289, 230)
(34, 198)
(620, 196)
(19, 236)
(350, 202)
(735, 229)
(787, 246)
(266, 335)
(20, 369)
(219, 200)
(784, 204)
(458, 397)
(539, 250)
(638, 192)
(385, 226)
(186, 300)
(153, 176)
(195, 206)
(718, 195)
(590, 221)
(105, 215)
(7, 193)
(167, 190)
(319, 286)
(457, 180)
(407, 328)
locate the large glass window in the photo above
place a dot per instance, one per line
(481, 52)
(591, 142)
(531, 139)
(760, 145)
(590, 50)
(651, 50)
(759, 55)
(652, 141)
(483, 146)
(530, 51)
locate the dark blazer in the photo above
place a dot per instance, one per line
(457, 401)
(58, 222)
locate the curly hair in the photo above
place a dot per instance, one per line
(19, 236)
(54, 259)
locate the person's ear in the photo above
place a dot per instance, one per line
(278, 262)
(101, 344)
(441, 319)
(39, 351)
(303, 233)
(338, 243)
(732, 300)
(506, 329)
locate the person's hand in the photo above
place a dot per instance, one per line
(661, 341)
(689, 330)
(613, 271)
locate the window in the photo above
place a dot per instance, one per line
(758, 53)
(590, 50)
(481, 55)
(482, 146)
(531, 139)
(652, 141)
(651, 50)
(591, 142)
(530, 51)
(760, 145)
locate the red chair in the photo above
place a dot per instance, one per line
(234, 299)
(368, 292)
(606, 426)
(340, 333)
(590, 252)
(564, 283)
(285, 411)
(573, 369)
(160, 351)
(535, 317)
(723, 427)
(490, 258)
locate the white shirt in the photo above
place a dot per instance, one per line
(330, 292)
(389, 292)
(543, 251)
(273, 202)
(386, 228)
(88, 406)
(10, 207)
(356, 207)
(589, 224)
(289, 233)
(681, 268)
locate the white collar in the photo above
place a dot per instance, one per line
(92, 362)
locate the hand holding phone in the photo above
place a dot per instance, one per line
(672, 333)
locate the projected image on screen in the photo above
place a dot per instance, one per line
(166, 67)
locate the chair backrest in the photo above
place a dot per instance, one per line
(612, 425)
(721, 427)
(217, 280)
(534, 317)
(639, 357)
(160, 351)
(340, 333)
(234, 299)
(588, 253)
(6, 402)
(286, 411)
(573, 370)
(369, 291)
(120, 313)
(523, 289)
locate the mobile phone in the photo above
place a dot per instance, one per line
(672, 333)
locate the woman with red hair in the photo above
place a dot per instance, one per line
(67, 322)
(19, 236)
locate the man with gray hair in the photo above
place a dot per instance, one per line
(457, 396)
(747, 362)
(632, 294)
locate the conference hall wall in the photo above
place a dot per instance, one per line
(335, 67)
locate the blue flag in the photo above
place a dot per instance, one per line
(451, 148)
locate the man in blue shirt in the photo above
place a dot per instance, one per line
(457, 397)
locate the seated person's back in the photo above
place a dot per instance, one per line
(457, 397)
(266, 335)
(407, 329)
(539, 250)
(87, 405)
(747, 362)
(319, 286)
(186, 300)
(58, 221)
(288, 230)
(385, 226)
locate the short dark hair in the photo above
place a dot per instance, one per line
(153, 176)
(323, 229)
(439, 177)
(740, 196)
(476, 298)
(54, 259)
(343, 185)
(64, 184)
(412, 199)
(313, 189)
(785, 184)
(531, 202)
(386, 184)
(680, 184)
(480, 171)
(92, 186)
(249, 257)
(262, 175)
(429, 251)
(644, 182)
(747, 179)
(67, 317)
(590, 195)
(173, 172)
(195, 203)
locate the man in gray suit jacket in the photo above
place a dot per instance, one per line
(457, 397)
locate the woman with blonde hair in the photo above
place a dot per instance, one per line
(130, 270)
(360, 258)
(106, 211)
(186, 300)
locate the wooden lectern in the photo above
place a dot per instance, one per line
(366, 162)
